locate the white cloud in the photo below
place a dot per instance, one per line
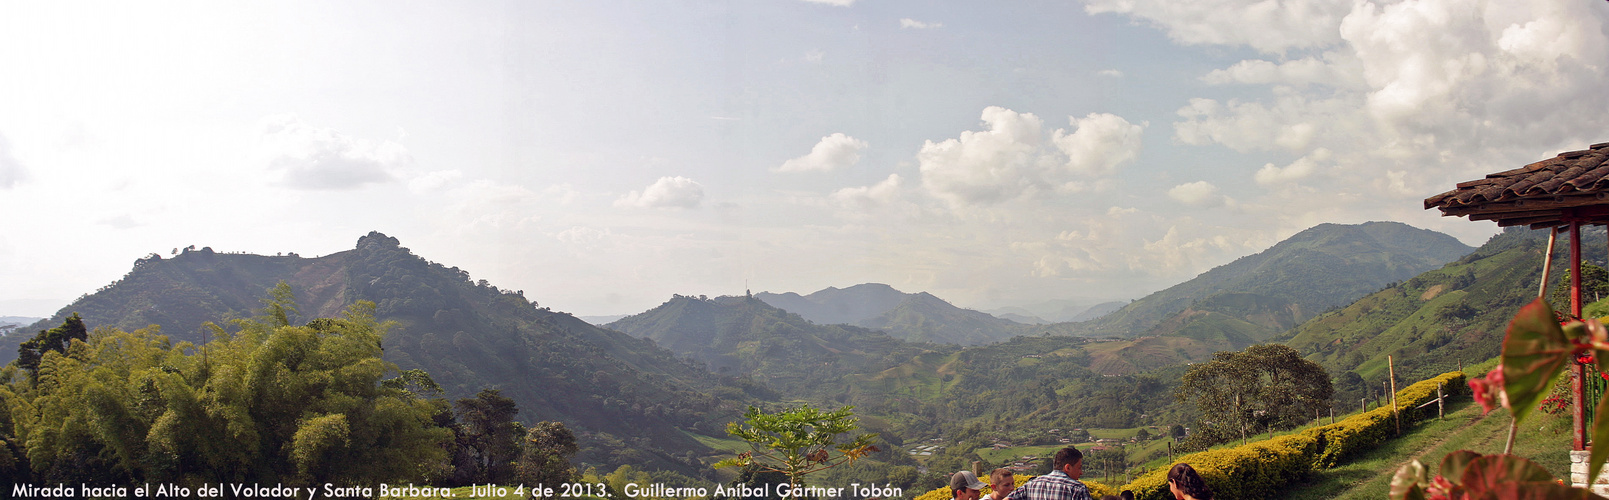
(667, 192)
(1198, 193)
(914, 24)
(11, 170)
(1123, 243)
(815, 56)
(1272, 26)
(1413, 96)
(1334, 69)
(1109, 73)
(840, 3)
(1101, 143)
(881, 193)
(431, 181)
(1011, 158)
(831, 153)
(322, 159)
(486, 205)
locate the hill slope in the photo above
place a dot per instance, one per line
(742, 335)
(917, 317)
(1323, 267)
(467, 335)
(1439, 319)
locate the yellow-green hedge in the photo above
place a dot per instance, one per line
(1263, 468)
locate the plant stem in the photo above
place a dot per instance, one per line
(1513, 428)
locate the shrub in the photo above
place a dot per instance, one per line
(1262, 469)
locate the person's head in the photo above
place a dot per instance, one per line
(1002, 481)
(1183, 481)
(965, 485)
(1070, 461)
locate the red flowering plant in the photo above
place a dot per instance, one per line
(1538, 346)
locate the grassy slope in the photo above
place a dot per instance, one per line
(1544, 439)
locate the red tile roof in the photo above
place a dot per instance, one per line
(1571, 186)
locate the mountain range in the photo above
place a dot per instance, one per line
(1260, 295)
(916, 317)
(468, 335)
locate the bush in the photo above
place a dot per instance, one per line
(1263, 468)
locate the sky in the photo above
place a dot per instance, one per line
(604, 155)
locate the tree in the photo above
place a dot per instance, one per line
(799, 441)
(545, 454)
(1594, 286)
(1241, 393)
(273, 403)
(488, 438)
(53, 340)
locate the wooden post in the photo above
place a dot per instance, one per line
(1547, 264)
(1578, 386)
(1332, 415)
(1363, 405)
(1170, 451)
(1392, 372)
(1441, 413)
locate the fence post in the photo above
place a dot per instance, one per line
(1441, 413)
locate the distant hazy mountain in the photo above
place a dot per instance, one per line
(746, 336)
(1098, 310)
(602, 320)
(843, 306)
(918, 317)
(9, 324)
(468, 335)
(1318, 269)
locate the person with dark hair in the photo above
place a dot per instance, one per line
(1186, 484)
(1061, 483)
(1002, 481)
(965, 485)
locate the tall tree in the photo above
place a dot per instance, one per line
(1242, 393)
(55, 339)
(488, 438)
(545, 454)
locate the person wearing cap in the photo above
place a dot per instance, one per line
(1060, 484)
(965, 485)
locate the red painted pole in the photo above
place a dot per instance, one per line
(1578, 385)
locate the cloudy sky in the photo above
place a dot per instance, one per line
(603, 155)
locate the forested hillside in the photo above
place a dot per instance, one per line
(1323, 267)
(1434, 321)
(747, 337)
(627, 395)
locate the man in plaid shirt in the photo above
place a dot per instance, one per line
(1060, 484)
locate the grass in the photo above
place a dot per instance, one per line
(728, 445)
(1545, 439)
(1010, 454)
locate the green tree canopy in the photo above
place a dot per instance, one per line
(268, 403)
(1242, 393)
(799, 441)
(53, 340)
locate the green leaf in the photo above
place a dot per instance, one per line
(1405, 484)
(1600, 427)
(1454, 464)
(1534, 352)
(1490, 472)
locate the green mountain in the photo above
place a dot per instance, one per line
(748, 337)
(1321, 268)
(468, 335)
(1438, 320)
(921, 317)
(917, 317)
